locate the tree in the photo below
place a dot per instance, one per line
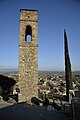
(68, 73)
(0, 91)
(6, 84)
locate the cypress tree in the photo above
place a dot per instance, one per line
(68, 73)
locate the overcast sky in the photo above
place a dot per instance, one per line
(53, 17)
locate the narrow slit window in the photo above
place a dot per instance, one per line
(28, 36)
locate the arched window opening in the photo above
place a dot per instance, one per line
(28, 36)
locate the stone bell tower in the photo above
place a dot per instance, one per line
(28, 55)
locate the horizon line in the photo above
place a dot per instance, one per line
(16, 69)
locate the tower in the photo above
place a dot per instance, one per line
(28, 55)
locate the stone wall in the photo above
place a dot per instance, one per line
(28, 56)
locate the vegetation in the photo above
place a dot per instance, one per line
(35, 101)
(6, 84)
(68, 73)
(0, 90)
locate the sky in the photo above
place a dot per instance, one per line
(53, 17)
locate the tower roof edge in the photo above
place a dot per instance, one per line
(28, 10)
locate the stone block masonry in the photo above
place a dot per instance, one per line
(28, 55)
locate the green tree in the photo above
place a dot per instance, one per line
(68, 72)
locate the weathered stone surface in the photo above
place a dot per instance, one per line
(28, 56)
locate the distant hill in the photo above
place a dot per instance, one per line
(9, 71)
(15, 71)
